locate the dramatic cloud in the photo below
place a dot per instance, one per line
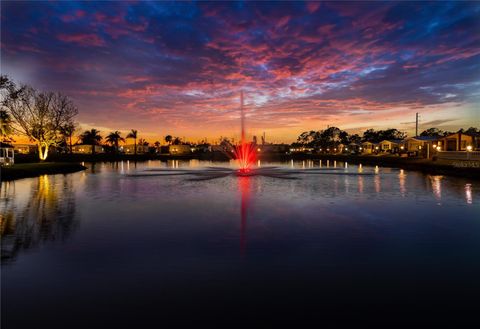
(177, 68)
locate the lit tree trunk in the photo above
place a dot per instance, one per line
(43, 151)
(135, 146)
(71, 151)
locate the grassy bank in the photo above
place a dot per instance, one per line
(24, 170)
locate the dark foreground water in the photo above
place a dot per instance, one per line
(98, 249)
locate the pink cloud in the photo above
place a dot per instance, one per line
(67, 18)
(313, 6)
(82, 39)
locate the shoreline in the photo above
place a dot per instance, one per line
(71, 163)
(28, 170)
(457, 168)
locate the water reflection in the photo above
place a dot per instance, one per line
(46, 214)
(360, 184)
(244, 186)
(401, 182)
(377, 184)
(468, 193)
(436, 182)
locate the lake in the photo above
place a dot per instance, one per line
(103, 249)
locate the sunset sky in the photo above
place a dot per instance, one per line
(178, 68)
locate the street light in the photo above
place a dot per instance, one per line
(469, 148)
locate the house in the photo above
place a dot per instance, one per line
(24, 148)
(459, 146)
(390, 145)
(130, 149)
(369, 147)
(87, 149)
(7, 157)
(353, 148)
(459, 142)
(421, 145)
(179, 149)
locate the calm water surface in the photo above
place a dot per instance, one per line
(101, 249)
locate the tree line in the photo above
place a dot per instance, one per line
(332, 137)
(48, 120)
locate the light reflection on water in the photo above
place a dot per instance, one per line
(101, 225)
(48, 212)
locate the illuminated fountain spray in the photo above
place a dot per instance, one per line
(245, 152)
(245, 155)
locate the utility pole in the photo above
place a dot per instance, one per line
(416, 124)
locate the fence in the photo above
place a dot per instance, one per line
(458, 155)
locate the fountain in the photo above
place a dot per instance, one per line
(245, 152)
(245, 156)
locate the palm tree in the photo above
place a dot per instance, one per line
(114, 138)
(133, 134)
(143, 142)
(67, 131)
(91, 137)
(168, 139)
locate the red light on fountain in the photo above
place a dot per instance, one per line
(245, 155)
(245, 152)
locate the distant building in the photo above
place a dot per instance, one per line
(7, 156)
(24, 148)
(87, 149)
(179, 149)
(301, 149)
(273, 148)
(353, 148)
(369, 147)
(459, 142)
(390, 145)
(421, 145)
(130, 149)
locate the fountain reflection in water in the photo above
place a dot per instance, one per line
(244, 187)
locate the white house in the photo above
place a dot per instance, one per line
(7, 156)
